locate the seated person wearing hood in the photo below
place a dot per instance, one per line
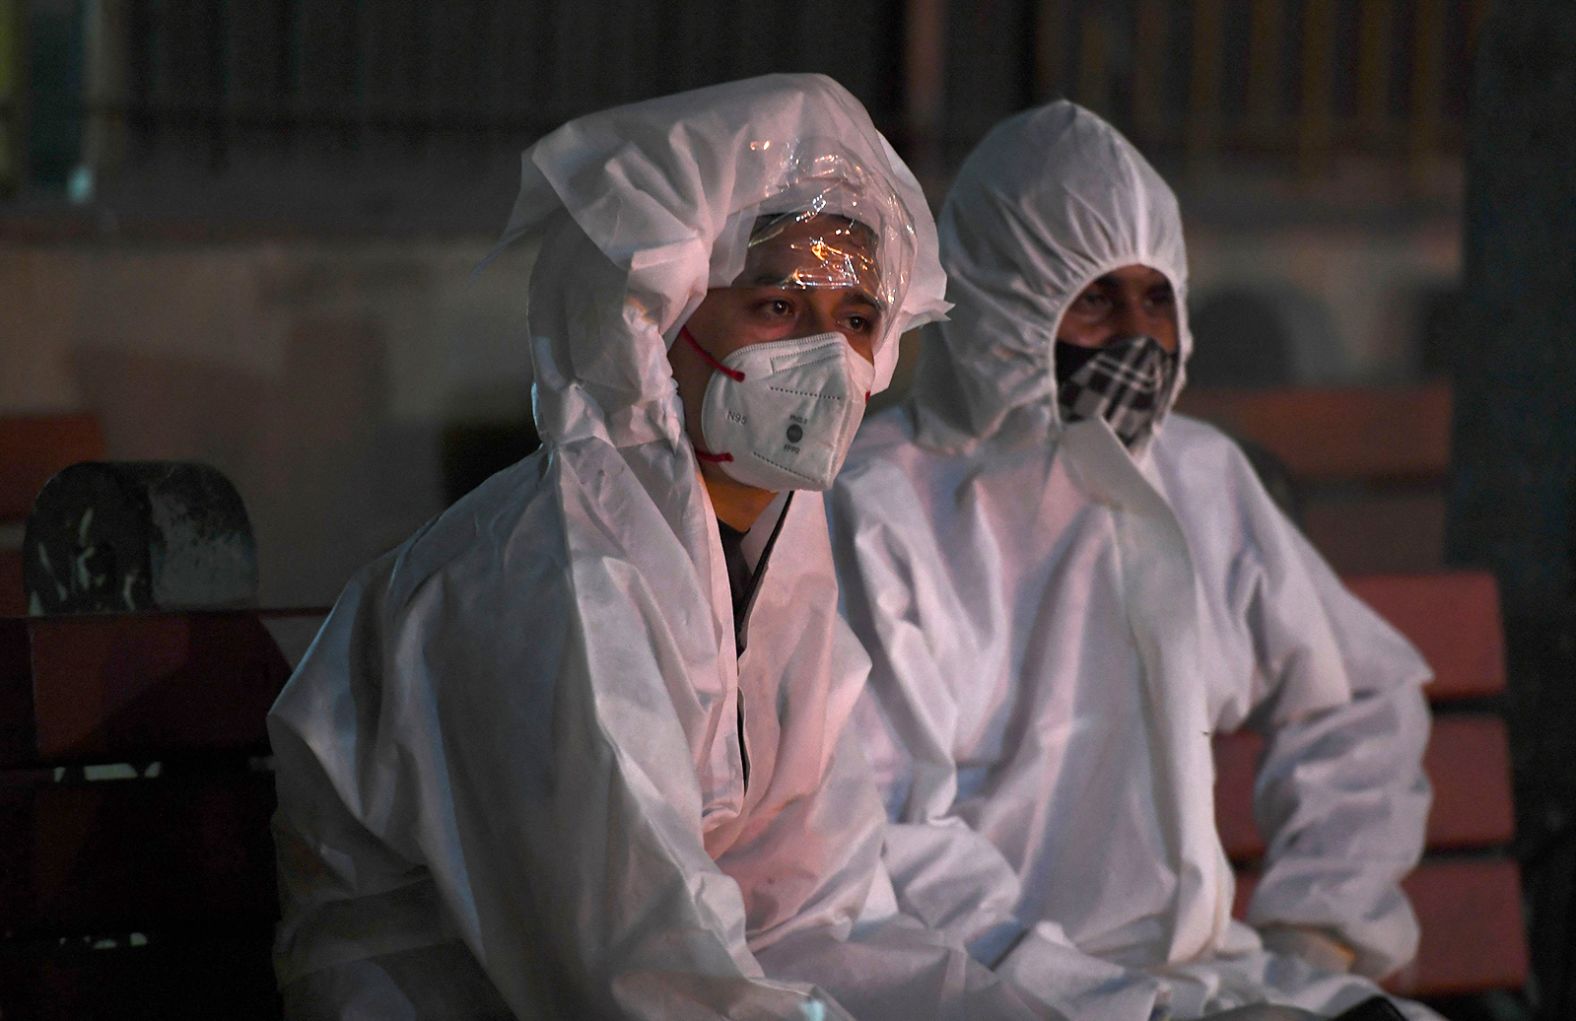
(1066, 591)
(578, 747)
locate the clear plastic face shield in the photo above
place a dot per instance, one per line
(813, 249)
(835, 225)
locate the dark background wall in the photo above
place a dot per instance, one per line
(1513, 504)
(241, 231)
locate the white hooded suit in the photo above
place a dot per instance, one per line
(1059, 626)
(510, 772)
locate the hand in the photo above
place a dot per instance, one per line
(1315, 946)
(1264, 1012)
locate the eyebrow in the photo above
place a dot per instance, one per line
(861, 298)
(1110, 280)
(776, 280)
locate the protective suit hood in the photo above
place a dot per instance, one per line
(1051, 199)
(669, 198)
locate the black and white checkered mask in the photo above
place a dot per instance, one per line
(1126, 382)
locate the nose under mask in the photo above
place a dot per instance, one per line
(1126, 382)
(782, 415)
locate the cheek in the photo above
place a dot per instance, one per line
(864, 346)
(1166, 332)
(1081, 333)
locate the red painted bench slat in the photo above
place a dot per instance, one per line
(1470, 914)
(103, 688)
(1473, 939)
(1453, 618)
(34, 447)
(1338, 434)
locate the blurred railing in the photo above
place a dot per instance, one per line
(10, 97)
(161, 82)
(210, 85)
(1297, 81)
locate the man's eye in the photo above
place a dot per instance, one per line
(860, 324)
(777, 307)
(1093, 301)
(1162, 297)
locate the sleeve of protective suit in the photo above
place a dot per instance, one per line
(943, 872)
(1341, 796)
(540, 776)
(888, 964)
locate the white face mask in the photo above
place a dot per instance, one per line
(781, 415)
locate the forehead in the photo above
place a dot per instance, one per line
(1134, 276)
(819, 250)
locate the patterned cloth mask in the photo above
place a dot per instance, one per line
(1125, 382)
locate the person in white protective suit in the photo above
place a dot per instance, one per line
(1066, 591)
(578, 748)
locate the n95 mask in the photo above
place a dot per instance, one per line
(782, 414)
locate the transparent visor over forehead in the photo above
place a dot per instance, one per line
(810, 249)
(836, 225)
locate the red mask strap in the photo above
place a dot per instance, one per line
(733, 374)
(706, 455)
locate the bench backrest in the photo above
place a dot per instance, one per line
(1369, 464)
(136, 863)
(1338, 434)
(179, 857)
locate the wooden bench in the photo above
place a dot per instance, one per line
(136, 866)
(1467, 891)
(32, 449)
(1370, 464)
(136, 863)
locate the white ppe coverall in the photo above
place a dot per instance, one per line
(1058, 627)
(509, 768)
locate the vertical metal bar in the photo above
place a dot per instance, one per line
(139, 73)
(158, 87)
(1204, 86)
(105, 86)
(1093, 61)
(287, 109)
(496, 59)
(1373, 67)
(1050, 29)
(924, 81)
(1266, 68)
(11, 92)
(1318, 51)
(1477, 13)
(1428, 43)
(219, 79)
(1149, 57)
(353, 135)
(422, 137)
